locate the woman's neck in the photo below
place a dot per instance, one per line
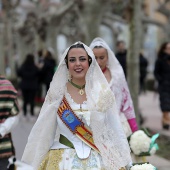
(107, 75)
(79, 82)
(104, 69)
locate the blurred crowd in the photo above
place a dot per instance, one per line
(35, 73)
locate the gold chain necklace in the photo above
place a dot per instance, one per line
(81, 91)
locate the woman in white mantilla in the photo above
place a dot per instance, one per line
(114, 74)
(78, 126)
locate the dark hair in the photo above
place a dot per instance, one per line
(78, 45)
(40, 53)
(162, 49)
(29, 59)
(98, 46)
(119, 42)
(48, 55)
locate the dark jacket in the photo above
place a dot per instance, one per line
(162, 74)
(121, 56)
(48, 70)
(143, 63)
(29, 76)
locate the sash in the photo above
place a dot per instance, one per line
(75, 125)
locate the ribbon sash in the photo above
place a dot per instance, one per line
(75, 125)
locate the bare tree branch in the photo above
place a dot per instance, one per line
(159, 2)
(65, 8)
(109, 24)
(114, 18)
(7, 5)
(163, 8)
(152, 21)
(164, 11)
(16, 4)
(166, 1)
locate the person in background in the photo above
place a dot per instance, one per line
(29, 74)
(121, 55)
(48, 68)
(117, 82)
(40, 58)
(143, 63)
(162, 75)
(8, 120)
(78, 126)
(40, 63)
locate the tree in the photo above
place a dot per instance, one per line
(133, 50)
(7, 43)
(42, 25)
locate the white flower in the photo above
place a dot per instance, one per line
(143, 167)
(139, 142)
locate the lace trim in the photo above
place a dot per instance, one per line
(81, 114)
(70, 99)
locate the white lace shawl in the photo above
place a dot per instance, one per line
(106, 127)
(118, 83)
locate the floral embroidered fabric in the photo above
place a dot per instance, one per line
(67, 159)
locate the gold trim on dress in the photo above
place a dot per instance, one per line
(52, 160)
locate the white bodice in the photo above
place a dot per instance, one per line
(82, 112)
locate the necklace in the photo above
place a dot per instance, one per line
(104, 69)
(81, 91)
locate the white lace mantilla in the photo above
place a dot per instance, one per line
(118, 82)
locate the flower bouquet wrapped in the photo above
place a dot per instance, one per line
(143, 166)
(142, 143)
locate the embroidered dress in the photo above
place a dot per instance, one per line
(108, 135)
(67, 158)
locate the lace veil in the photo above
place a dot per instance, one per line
(106, 127)
(119, 82)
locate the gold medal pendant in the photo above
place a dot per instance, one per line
(81, 92)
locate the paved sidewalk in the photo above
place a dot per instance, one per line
(149, 106)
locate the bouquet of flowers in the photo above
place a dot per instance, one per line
(142, 144)
(145, 166)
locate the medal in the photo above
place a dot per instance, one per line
(81, 91)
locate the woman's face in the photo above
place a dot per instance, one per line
(167, 49)
(78, 63)
(101, 57)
